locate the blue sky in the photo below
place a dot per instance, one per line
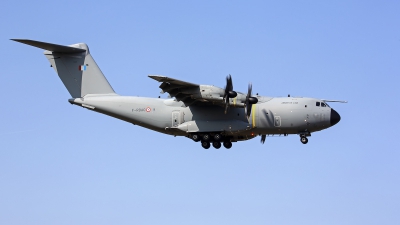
(61, 164)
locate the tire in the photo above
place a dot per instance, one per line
(196, 137)
(205, 144)
(304, 140)
(217, 137)
(206, 137)
(216, 144)
(228, 144)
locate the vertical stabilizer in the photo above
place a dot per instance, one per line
(76, 68)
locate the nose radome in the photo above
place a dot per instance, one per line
(335, 117)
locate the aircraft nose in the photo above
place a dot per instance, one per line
(335, 117)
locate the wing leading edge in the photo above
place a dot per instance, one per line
(181, 90)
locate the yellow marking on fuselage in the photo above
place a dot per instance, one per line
(234, 101)
(253, 115)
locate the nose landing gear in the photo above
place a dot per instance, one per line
(303, 137)
(304, 140)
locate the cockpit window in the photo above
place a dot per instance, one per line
(317, 103)
(323, 104)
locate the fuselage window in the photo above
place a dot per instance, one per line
(323, 104)
(317, 104)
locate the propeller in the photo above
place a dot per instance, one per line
(229, 92)
(249, 101)
(263, 137)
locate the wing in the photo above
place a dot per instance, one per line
(196, 94)
(190, 93)
(172, 81)
(181, 90)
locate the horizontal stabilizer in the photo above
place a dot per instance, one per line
(50, 47)
(76, 68)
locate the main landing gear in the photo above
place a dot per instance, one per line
(216, 139)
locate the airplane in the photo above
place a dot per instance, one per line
(204, 113)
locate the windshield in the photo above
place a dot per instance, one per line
(322, 104)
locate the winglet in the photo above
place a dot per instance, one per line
(49, 46)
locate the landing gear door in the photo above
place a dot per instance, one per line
(176, 120)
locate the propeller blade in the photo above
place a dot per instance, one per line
(263, 137)
(249, 100)
(248, 110)
(229, 93)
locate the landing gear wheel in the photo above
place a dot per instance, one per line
(304, 140)
(217, 137)
(196, 137)
(206, 137)
(205, 144)
(216, 144)
(228, 144)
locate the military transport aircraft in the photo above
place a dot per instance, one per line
(204, 113)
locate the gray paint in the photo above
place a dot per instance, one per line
(79, 83)
(195, 109)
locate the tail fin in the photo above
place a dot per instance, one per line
(75, 67)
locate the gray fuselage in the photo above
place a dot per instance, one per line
(280, 115)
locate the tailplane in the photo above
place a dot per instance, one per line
(75, 67)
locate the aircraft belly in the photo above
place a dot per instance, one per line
(213, 119)
(227, 126)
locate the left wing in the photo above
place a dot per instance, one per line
(190, 93)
